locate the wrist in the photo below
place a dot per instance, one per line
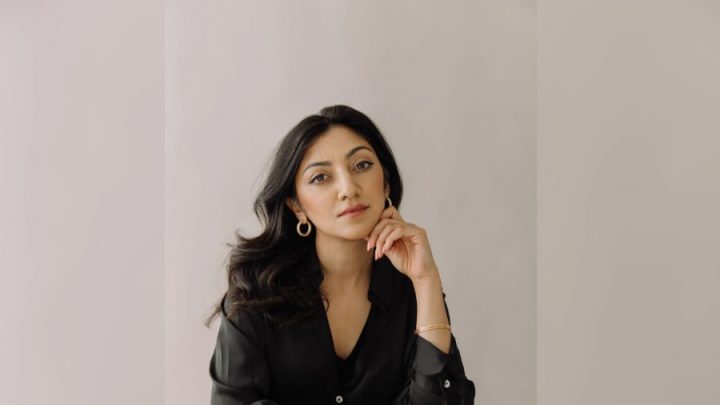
(430, 279)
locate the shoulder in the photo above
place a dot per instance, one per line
(246, 324)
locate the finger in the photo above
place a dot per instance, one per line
(376, 231)
(396, 234)
(392, 212)
(381, 239)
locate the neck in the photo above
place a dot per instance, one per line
(345, 264)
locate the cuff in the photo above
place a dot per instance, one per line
(436, 372)
(429, 360)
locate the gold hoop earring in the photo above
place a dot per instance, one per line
(309, 229)
(389, 201)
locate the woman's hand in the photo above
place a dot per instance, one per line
(405, 244)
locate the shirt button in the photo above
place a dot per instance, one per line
(339, 399)
(447, 384)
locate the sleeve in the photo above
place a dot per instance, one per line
(436, 377)
(238, 366)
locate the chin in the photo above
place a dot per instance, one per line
(355, 233)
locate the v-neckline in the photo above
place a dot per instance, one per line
(359, 340)
(379, 293)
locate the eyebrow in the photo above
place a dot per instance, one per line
(347, 156)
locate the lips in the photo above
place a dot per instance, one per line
(354, 208)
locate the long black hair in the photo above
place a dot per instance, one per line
(266, 273)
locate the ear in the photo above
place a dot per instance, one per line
(294, 206)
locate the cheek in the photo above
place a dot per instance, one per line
(377, 212)
(308, 199)
(318, 204)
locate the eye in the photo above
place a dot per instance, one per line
(315, 178)
(365, 161)
(357, 165)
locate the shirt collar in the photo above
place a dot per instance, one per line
(381, 277)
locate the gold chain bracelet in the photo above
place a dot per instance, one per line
(431, 327)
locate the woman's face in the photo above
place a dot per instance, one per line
(339, 170)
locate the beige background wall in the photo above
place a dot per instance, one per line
(453, 88)
(81, 203)
(628, 197)
(563, 157)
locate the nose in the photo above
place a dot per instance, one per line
(348, 186)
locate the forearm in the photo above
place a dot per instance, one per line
(438, 376)
(431, 310)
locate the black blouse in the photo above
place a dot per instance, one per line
(256, 363)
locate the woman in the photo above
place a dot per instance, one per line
(339, 299)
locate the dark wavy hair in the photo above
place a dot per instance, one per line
(268, 273)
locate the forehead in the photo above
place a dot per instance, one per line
(333, 144)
